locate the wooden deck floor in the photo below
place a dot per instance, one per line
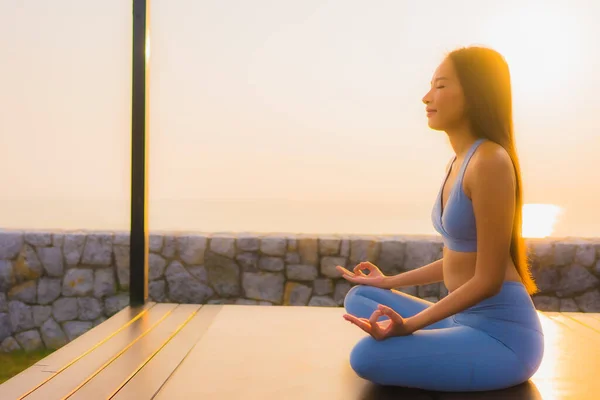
(172, 351)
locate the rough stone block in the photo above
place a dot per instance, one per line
(52, 260)
(10, 244)
(65, 309)
(223, 275)
(30, 340)
(53, 335)
(25, 292)
(296, 294)
(73, 247)
(192, 248)
(224, 246)
(184, 287)
(322, 301)
(264, 286)
(98, 250)
(78, 282)
(271, 264)
(328, 266)
(329, 246)
(48, 290)
(301, 272)
(273, 246)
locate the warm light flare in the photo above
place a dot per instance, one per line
(536, 36)
(539, 219)
(147, 45)
(546, 376)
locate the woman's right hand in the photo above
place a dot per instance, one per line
(374, 278)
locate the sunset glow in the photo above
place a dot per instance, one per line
(303, 118)
(539, 220)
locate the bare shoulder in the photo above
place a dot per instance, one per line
(491, 156)
(490, 163)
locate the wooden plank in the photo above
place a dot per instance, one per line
(219, 367)
(19, 385)
(70, 379)
(570, 366)
(252, 352)
(580, 330)
(32, 378)
(280, 359)
(110, 379)
(93, 338)
(595, 315)
(147, 382)
(586, 320)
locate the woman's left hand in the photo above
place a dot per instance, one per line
(394, 326)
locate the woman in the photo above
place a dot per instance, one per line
(485, 334)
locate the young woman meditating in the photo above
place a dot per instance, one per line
(485, 334)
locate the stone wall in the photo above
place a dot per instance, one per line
(54, 286)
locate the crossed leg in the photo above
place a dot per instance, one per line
(361, 301)
(444, 356)
(459, 358)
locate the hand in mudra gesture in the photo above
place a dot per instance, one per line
(374, 277)
(394, 326)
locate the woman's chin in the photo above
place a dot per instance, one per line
(433, 125)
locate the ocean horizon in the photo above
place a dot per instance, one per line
(319, 217)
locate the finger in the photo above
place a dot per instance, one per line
(344, 271)
(385, 328)
(360, 322)
(376, 330)
(361, 266)
(374, 317)
(352, 278)
(387, 333)
(346, 274)
(393, 315)
(354, 318)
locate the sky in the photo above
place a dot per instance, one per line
(284, 116)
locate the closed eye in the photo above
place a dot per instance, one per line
(440, 87)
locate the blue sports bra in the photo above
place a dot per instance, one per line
(456, 221)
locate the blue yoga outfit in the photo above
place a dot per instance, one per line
(456, 221)
(494, 344)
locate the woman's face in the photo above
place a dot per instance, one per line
(445, 100)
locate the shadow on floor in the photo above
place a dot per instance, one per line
(525, 391)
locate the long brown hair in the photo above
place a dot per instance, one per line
(485, 78)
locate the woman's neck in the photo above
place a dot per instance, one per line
(461, 139)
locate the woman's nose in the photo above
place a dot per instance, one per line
(427, 98)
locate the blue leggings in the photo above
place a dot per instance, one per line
(495, 344)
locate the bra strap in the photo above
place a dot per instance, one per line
(470, 153)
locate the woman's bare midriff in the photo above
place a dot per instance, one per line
(459, 267)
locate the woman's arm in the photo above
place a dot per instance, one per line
(430, 273)
(493, 197)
